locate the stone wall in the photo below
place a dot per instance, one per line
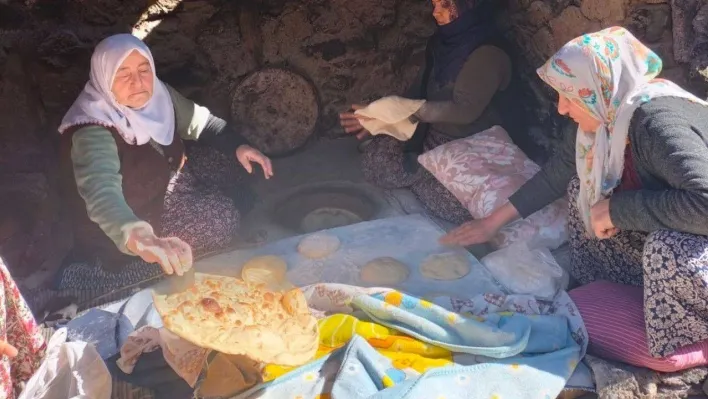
(351, 50)
(677, 30)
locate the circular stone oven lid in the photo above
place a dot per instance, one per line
(277, 108)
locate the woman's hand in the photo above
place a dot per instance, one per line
(470, 233)
(351, 122)
(482, 230)
(173, 254)
(247, 155)
(7, 350)
(601, 221)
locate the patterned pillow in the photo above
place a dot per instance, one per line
(614, 317)
(482, 172)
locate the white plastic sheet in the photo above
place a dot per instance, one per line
(524, 270)
(70, 370)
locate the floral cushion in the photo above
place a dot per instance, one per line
(482, 172)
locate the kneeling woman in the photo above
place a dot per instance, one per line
(639, 203)
(129, 189)
(467, 81)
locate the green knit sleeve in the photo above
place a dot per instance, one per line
(190, 118)
(94, 155)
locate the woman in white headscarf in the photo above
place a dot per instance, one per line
(130, 191)
(638, 174)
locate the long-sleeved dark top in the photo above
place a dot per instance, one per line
(461, 108)
(669, 145)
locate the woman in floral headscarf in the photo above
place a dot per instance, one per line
(639, 203)
(466, 81)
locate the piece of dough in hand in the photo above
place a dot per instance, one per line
(384, 271)
(445, 266)
(318, 246)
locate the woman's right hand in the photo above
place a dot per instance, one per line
(351, 122)
(470, 233)
(481, 230)
(173, 254)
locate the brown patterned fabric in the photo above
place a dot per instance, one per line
(382, 166)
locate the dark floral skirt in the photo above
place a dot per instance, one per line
(671, 266)
(382, 164)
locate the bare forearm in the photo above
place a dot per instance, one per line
(504, 215)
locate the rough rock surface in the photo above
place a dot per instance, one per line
(352, 51)
(275, 109)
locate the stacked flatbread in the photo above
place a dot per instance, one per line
(235, 317)
(390, 115)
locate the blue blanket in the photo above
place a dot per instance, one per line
(520, 355)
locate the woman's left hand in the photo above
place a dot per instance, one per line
(247, 155)
(601, 221)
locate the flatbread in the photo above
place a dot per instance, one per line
(384, 270)
(318, 246)
(389, 115)
(233, 317)
(445, 266)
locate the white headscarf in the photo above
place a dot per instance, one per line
(97, 105)
(609, 74)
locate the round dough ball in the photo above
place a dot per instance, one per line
(384, 271)
(318, 246)
(264, 269)
(445, 266)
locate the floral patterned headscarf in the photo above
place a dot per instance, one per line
(609, 74)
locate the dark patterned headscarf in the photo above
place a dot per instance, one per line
(465, 26)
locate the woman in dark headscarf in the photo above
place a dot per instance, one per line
(465, 74)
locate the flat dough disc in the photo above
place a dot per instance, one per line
(318, 246)
(264, 270)
(445, 266)
(383, 271)
(328, 218)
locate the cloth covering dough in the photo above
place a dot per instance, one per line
(318, 246)
(234, 317)
(446, 266)
(384, 271)
(389, 115)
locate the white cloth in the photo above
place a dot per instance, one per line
(97, 105)
(70, 370)
(609, 74)
(390, 115)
